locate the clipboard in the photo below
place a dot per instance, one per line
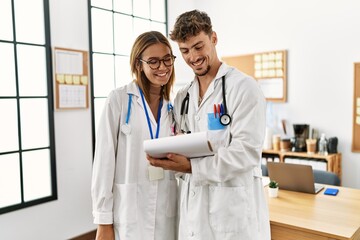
(191, 145)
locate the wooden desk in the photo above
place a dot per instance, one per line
(333, 160)
(302, 216)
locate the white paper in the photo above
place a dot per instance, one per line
(190, 145)
(69, 62)
(72, 96)
(272, 88)
(155, 173)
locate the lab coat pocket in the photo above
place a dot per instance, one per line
(228, 209)
(172, 199)
(125, 203)
(214, 122)
(183, 190)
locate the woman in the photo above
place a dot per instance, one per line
(132, 199)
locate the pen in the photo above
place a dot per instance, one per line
(219, 110)
(215, 110)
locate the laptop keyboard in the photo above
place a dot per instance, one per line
(318, 187)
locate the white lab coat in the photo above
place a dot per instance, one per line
(121, 190)
(223, 198)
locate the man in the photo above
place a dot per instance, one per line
(221, 196)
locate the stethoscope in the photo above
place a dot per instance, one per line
(126, 128)
(225, 118)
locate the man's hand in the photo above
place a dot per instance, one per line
(105, 232)
(173, 162)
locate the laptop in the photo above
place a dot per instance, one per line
(294, 177)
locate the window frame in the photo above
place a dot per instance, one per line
(50, 107)
(92, 94)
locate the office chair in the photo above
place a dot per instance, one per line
(264, 170)
(325, 177)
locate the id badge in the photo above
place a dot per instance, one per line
(155, 173)
(214, 122)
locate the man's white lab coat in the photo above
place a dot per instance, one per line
(223, 198)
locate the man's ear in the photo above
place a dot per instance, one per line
(214, 38)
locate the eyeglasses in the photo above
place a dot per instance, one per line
(155, 63)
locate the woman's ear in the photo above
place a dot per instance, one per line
(138, 65)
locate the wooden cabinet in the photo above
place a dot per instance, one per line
(333, 161)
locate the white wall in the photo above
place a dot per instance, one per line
(322, 39)
(70, 215)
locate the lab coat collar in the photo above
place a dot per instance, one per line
(223, 70)
(134, 90)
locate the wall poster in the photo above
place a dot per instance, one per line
(268, 68)
(71, 78)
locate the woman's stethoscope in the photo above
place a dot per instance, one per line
(225, 118)
(126, 128)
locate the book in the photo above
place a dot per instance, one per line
(191, 145)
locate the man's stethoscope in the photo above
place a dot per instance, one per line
(225, 118)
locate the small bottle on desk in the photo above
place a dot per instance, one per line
(323, 145)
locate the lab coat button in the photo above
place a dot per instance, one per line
(192, 234)
(197, 118)
(192, 193)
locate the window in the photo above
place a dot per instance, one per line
(114, 26)
(27, 153)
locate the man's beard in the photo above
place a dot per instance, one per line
(203, 73)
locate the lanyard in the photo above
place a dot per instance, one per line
(147, 116)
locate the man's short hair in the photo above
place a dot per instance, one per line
(190, 24)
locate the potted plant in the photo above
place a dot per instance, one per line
(273, 189)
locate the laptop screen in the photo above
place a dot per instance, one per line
(293, 177)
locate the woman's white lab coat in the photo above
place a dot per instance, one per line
(223, 198)
(122, 193)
